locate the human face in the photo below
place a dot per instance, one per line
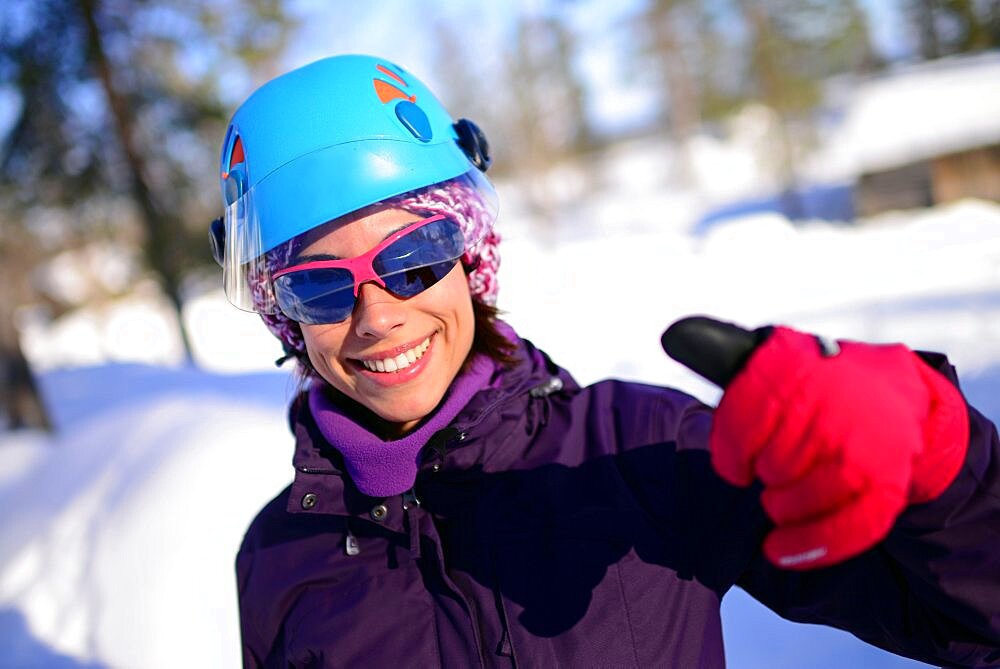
(435, 328)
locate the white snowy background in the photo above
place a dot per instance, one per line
(120, 529)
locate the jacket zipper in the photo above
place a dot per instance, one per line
(553, 385)
(410, 502)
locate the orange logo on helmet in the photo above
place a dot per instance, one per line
(386, 91)
(407, 112)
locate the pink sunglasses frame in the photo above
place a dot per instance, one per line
(361, 267)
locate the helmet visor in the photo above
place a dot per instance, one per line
(269, 280)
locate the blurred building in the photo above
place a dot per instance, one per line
(925, 134)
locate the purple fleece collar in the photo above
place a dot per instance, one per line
(384, 468)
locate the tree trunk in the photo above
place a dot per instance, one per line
(680, 102)
(20, 400)
(925, 14)
(160, 246)
(776, 90)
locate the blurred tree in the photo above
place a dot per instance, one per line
(21, 405)
(948, 27)
(547, 117)
(710, 57)
(116, 110)
(679, 46)
(544, 119)
(791, 47)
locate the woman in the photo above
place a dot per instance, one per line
(459, 500)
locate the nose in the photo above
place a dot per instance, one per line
(377, 312)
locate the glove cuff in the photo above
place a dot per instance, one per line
(946, 437)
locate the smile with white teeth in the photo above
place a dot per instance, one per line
(401, 361)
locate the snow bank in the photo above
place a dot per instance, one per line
(119, 533)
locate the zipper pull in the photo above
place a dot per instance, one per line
(351, 545)
(412, 520)
(410, 499)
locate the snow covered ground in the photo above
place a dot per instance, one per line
(119, 531)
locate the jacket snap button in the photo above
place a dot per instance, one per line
(380, 512)
(309, 500)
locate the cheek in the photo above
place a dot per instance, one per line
(460, 303)
(323, 343)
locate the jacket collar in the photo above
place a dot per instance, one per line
(322, 486)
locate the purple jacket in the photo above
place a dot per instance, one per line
(553, 525)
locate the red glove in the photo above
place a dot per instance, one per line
(842, 441)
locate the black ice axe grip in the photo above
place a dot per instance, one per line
(713, 349)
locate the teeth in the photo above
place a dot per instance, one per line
(401, 361)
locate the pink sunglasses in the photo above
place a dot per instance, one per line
(405, 263)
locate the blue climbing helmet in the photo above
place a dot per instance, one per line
(321, 142)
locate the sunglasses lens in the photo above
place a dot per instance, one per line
(420, 259)
(315, 296)
(408, 266)
(415, 281)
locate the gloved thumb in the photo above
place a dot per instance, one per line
(715, 350)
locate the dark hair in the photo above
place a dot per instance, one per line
(488, 340)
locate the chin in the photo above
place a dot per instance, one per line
(405, 413)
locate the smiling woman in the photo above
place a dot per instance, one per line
(459, 500)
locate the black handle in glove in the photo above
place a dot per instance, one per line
(713, 349)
